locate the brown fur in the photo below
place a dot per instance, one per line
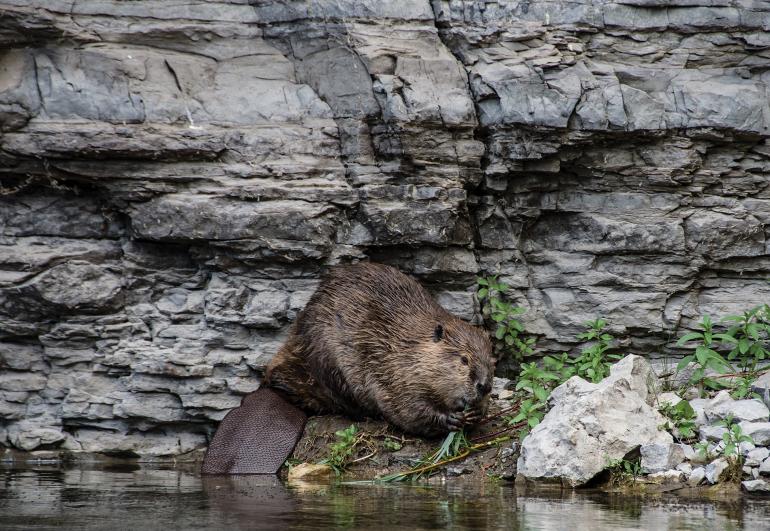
(371, 342)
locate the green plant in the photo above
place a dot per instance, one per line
(705, 356)
(537, 381)
(593, 363)
(508, 329)
(391, 445)
(733, 437)
(624, 470)
(702, 447)
(680, 419)
(742, 388)
(750, 333)
(563, 366)
(532, 411)
(340, 452)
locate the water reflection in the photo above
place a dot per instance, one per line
(143, 498)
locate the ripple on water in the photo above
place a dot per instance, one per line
(171, 498)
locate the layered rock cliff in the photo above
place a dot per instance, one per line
(175, 176)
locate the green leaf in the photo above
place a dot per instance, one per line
(541, 394)
(684, 362)
(482, 293)
(482, 281)
(689, 337)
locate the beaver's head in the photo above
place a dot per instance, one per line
(466, 364)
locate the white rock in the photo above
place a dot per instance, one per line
(712, 433)
(761, 386)
(755, 485)
(696, 476)
(716, 469)
(660, 457)
(689, 451)
(758, 431)
(764, 467)
(746, 470)
(589, 424)
(755, 473)
(745, 447)
(722, 397)
(691, 393)
(758, 454)
(748, 410)
(685, 467)
(699, 406)
(667, 476)
(668, 398)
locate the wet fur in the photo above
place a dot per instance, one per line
(371, 342)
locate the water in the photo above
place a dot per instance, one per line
(147, 498)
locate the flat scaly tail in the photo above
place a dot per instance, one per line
(256, 437)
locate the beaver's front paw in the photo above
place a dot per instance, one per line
(462, 419)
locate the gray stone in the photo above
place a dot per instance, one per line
(758, 431)
(668, 398)
(712, 433)
(748, 410)
(697, 475)
(758, 454)
(764, 467)
(716, 470)
(591, 423)
(761, 386)
(688, 450)
(699, 406)
(755, 485)
(661, 457)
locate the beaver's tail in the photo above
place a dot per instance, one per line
(256, 437)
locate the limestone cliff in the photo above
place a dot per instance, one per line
(175, 175)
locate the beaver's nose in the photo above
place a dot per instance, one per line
(483, 388)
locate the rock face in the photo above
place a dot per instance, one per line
(591, 424)
(174, 178)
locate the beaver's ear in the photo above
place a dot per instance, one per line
(438, 333)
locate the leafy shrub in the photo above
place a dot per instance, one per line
(508, 329)
(750, 334)
(705, 356)
(681, 419)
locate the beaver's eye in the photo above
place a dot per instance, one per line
(464, 359)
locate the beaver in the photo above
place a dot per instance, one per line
(371, 342)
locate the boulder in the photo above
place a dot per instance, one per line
(755, 485)
(669, 398)
(310, 472)
(761, 386)
(590, 424)
(660, 457)
(696, 476)
(715, 470)
(757, 455)
(740, 410)
(758, 431)
(712, 433)
(764, 467)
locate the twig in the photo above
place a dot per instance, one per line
(426, 468)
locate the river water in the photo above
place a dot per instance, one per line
(156, 498)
